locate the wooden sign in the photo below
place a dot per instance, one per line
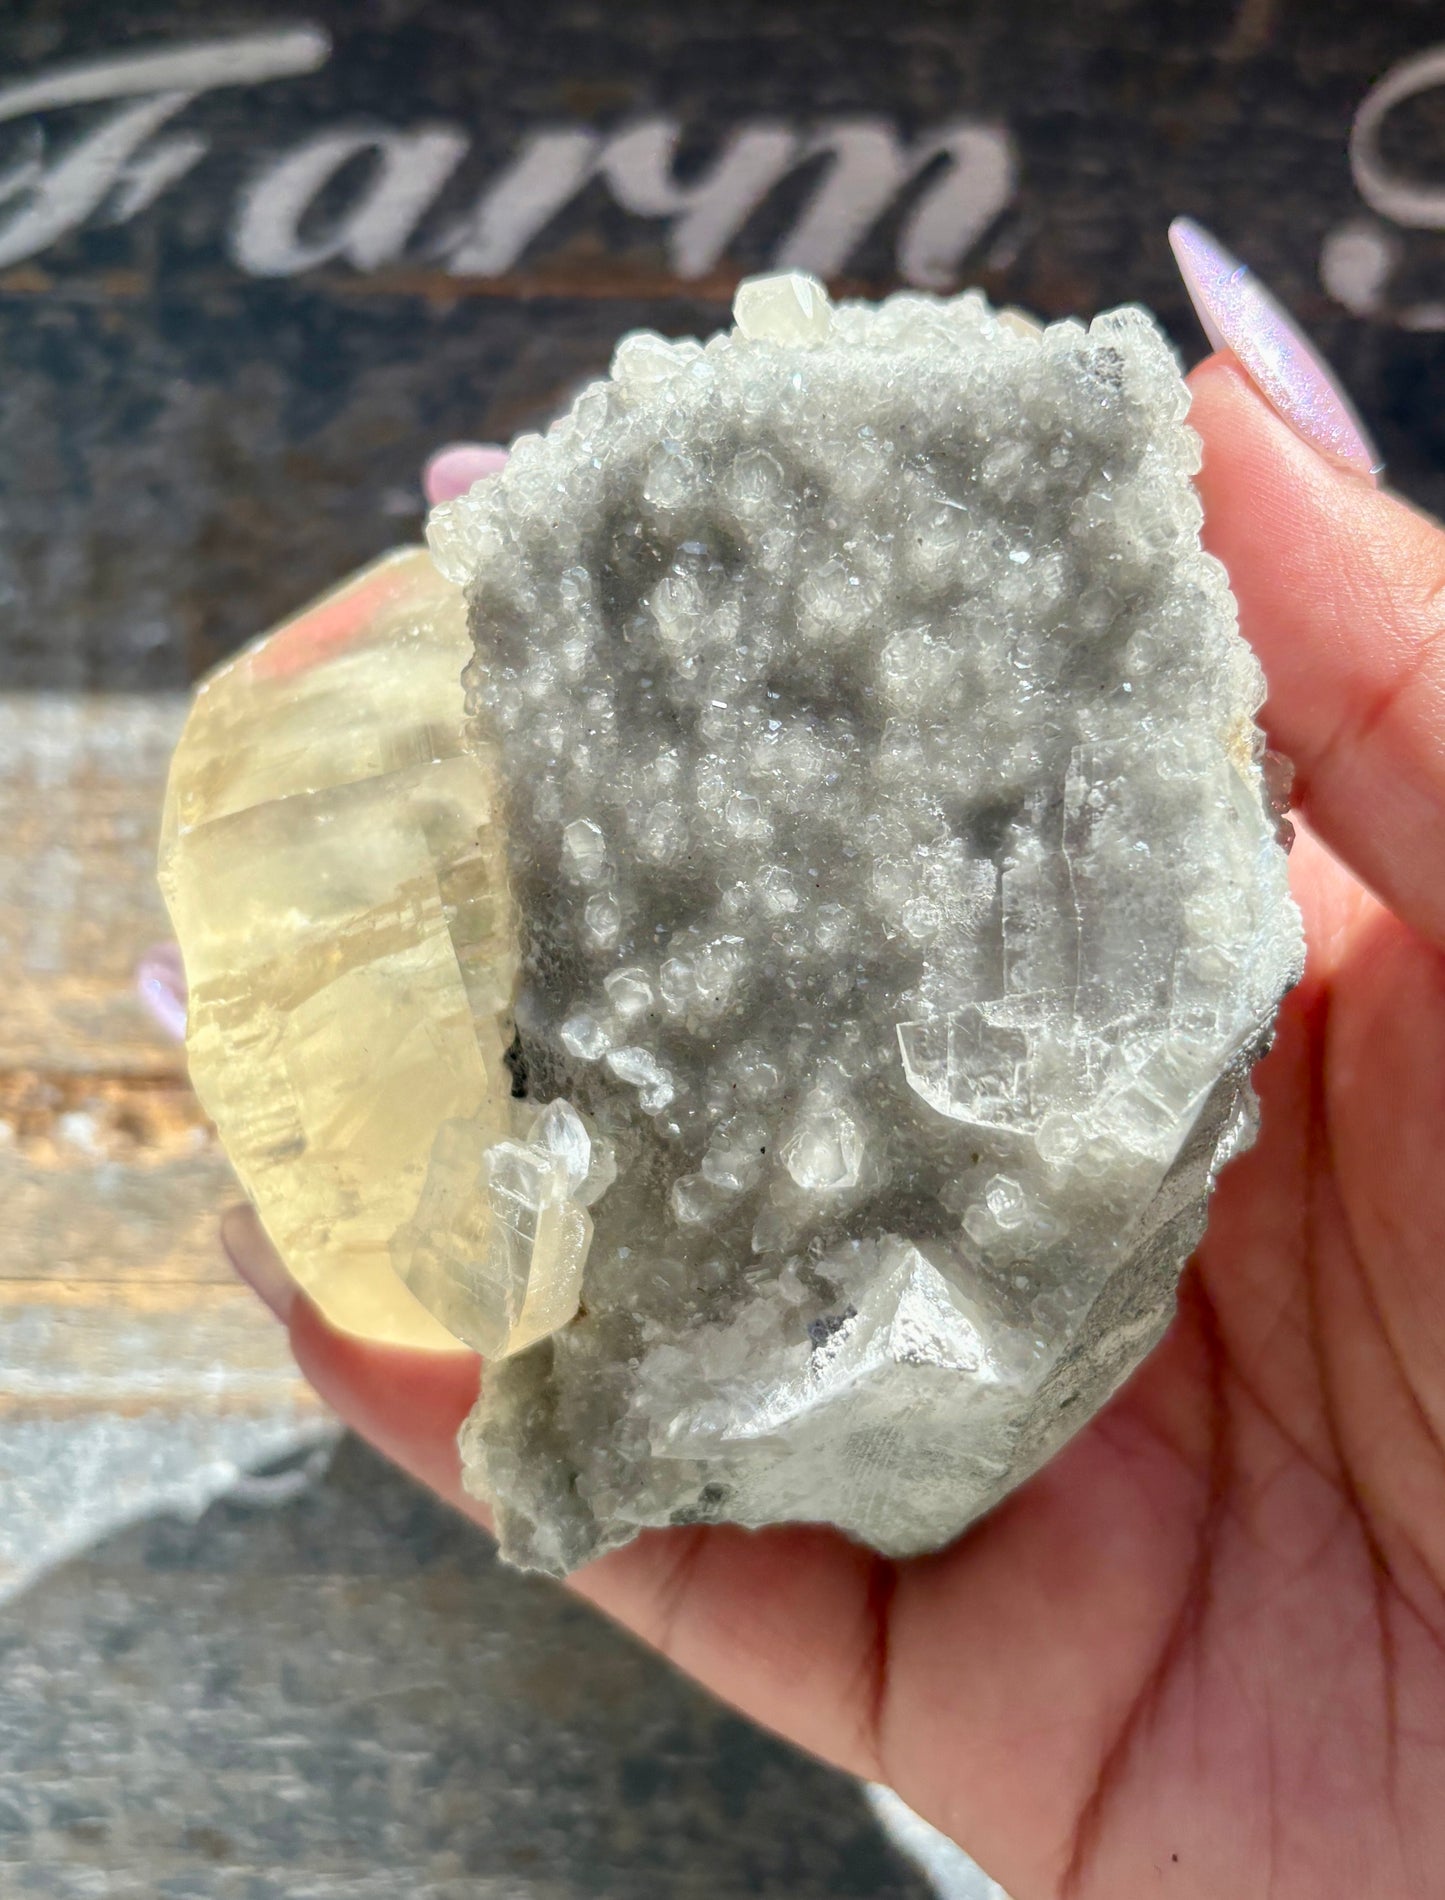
(251, 272)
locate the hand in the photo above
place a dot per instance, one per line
(1203, 1652)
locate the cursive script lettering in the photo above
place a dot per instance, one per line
(1403, 200)
(550, 169)
(1364, 260)
(870, 168)
(638, 166)
(387, 181)
(408, 170)
(112, 162)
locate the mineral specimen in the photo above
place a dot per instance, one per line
(897, 901)
(794, 1018)
(333, 871)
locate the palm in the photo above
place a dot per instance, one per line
(1203, 1652)
(1210, 1636)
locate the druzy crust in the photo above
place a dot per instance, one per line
(898, 911)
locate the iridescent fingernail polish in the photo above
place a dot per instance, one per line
(160, 982)
(452, 470)
(244, 1242)
(1240, 315)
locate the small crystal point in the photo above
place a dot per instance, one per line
(790, 308)
(539, 1237)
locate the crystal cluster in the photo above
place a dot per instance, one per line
(790, 1013)
(898, 914)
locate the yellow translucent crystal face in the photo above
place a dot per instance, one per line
(332, 860)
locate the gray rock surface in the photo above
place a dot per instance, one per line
(899, 902)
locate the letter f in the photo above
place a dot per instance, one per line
(58, 197)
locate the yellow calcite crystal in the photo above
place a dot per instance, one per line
(500, 1237)
(332, 860)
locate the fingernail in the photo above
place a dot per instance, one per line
(257, 1261)
(452, 470)
(160, 982)
(1240, 315)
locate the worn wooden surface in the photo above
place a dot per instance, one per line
(194, 437)
(113, 1292)
(329, 1690)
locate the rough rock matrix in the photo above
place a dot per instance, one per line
(898, 911)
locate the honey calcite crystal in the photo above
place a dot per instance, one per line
(793, 1019)
(334, 871)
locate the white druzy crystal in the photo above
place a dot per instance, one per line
(899, 907)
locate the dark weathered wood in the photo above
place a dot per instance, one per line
(114, 1296)
(343, 1696)
(80, 784)
(188, 450)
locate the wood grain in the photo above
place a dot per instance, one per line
(80, 786)
(114, 1294)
